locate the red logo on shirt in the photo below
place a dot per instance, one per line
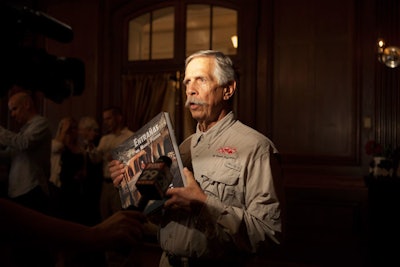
(227, 150)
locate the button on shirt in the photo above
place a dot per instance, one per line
(232, 164)
(29, 152)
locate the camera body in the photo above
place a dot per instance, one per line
(31, 67)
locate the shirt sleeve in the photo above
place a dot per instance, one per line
(25, 139)
(96, 154)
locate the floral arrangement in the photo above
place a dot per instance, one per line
(389, 165)
(377, 150)
(373, 148)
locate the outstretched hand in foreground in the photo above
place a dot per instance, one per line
(21, 224)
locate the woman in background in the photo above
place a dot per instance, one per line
(89, 135)
(72, 172)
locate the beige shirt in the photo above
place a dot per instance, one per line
(107, 143)
(232, 164)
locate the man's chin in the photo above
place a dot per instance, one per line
(195, 112)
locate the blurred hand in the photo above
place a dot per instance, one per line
(117, 171)
(122, 229)
(65, 125)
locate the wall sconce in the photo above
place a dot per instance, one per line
(234, 40)
(390, 56)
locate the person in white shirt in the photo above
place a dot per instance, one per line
(28, 153)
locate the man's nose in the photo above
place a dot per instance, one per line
(190, 90)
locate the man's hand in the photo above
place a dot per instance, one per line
(117, 171)
(186, 197)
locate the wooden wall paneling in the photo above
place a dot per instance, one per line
(264, 92)
(246, 96)
(315, 87)
(83, 19)
(366, 55)
(115, 54)
(387, 94)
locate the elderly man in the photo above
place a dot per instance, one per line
(230, 206)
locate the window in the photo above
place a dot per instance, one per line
(210, 27)
(153, 30)
(151, 35)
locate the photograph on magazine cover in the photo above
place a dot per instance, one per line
(152, 141)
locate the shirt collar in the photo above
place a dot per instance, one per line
(211, 135)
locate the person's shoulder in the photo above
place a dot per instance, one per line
(56, 145)
(187, 139)
(253, 136)
(40, 118)
(127, 131)
(185, 145)
(105, 137)
(39, 121)
(246, 130)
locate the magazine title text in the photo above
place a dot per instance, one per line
(147, 135)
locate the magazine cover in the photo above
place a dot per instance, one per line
(154, 140)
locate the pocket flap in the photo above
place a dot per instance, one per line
(227, 174)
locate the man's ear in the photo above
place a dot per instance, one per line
(229, 90)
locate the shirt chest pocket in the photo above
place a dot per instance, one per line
(223, 182)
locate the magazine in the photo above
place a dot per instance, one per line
(151, 142)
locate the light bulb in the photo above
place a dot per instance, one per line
(381, 43)
(234, 40)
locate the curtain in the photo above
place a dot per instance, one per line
(142, 97)
(145, 95)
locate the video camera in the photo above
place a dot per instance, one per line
(31, 67)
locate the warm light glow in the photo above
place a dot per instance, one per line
(390, 56)
(234, 40)
(381, 43)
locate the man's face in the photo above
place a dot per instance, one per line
(108, 121)
(88, 133)
(204, 95)
(92, 134)
(18, 110)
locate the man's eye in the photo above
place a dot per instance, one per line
(201, 81)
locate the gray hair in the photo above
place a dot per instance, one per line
(224, 70)
(88, 123)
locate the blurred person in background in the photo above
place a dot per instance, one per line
(28, 154)
(115, 132)
(72, 172)
(89, 135)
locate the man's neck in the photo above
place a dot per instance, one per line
(118, 130)
(30, 117)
